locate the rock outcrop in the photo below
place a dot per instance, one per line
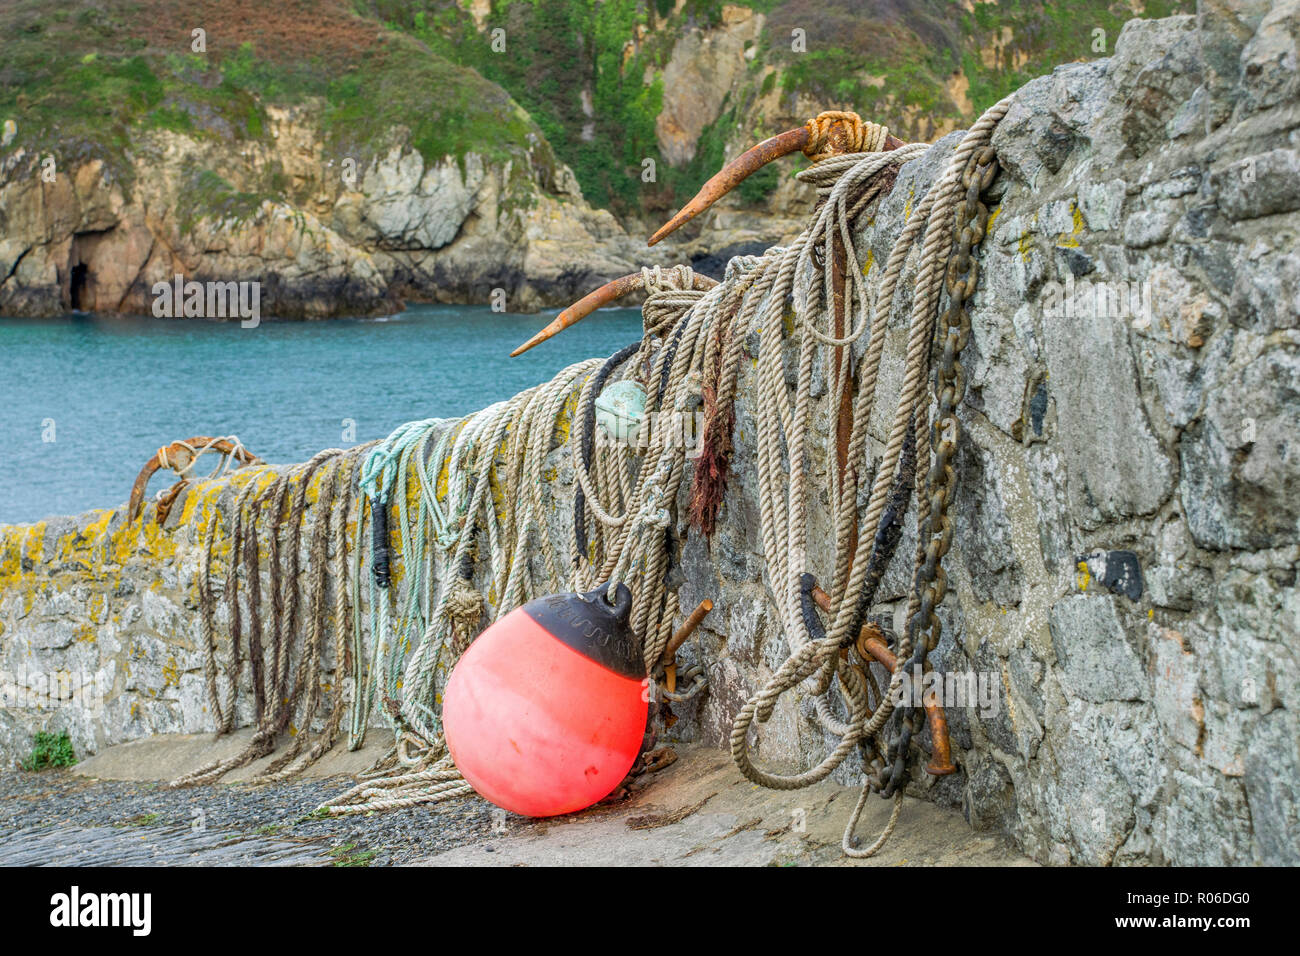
(345, 237)
(1122, 582)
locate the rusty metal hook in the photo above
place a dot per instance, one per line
(669, 657)
(871, 645)
(179, 456)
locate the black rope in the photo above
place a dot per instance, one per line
(812, 621)
(670, 356)
(379, 564)
(888, 534)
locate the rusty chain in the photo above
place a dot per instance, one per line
(931, 583)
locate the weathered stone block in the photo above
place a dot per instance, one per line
(1093, 651)
(1262, 185)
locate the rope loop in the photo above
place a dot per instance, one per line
(476, 542)
(235, 453)
(741, 266)
(670, 293)
(834, 132)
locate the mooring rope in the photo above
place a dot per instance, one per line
(785, 529)
(479, 487)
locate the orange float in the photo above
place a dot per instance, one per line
(545, 712)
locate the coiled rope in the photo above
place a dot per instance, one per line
(785, 528)
(484, 488)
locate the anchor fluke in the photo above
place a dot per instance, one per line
(611, 291)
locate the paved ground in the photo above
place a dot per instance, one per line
(154, 846)
(111, 809)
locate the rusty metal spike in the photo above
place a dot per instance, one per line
(732, 174)
(589, 303)
(744, 165)
(610, 292)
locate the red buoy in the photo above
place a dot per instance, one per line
(545, 712)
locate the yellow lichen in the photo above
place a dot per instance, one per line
(564, 422)
(1071, 240)
(1024, 246)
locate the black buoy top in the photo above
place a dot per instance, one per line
(593, 627)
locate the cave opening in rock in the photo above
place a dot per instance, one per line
(84, 269)
(77, 286)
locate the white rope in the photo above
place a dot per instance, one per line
(494, 517)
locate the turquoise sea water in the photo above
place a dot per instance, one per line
(116, 388)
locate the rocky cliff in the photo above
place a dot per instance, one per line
(155, 154)
(359, 242)
(1123, 573)
(348, 157)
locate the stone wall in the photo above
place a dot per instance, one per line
(1124, 565)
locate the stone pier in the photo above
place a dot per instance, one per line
(1123, 578)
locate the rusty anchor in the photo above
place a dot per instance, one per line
(180, 457)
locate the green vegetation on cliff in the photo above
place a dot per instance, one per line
(590, 72)
(86, 80)
(564, 63)
(49, 751)
(918, 65)
(510, 78)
